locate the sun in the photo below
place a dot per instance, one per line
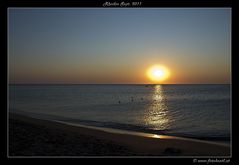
(158, 73)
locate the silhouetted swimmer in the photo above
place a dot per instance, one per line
(119, 102)
(132, 99)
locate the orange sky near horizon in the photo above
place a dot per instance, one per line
(125, 75)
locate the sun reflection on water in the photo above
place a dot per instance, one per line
(156, 136)
(156, 115)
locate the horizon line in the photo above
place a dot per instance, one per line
(118, 84)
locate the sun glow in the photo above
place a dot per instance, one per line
(158, 73)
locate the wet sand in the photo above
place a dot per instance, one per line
(35, 137)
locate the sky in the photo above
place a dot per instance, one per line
(117, 46)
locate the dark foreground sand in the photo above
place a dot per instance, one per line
(34, 137)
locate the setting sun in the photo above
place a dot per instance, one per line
(158, 73)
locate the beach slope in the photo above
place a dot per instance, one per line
(36, 137)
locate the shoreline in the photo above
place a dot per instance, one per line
(142, 134)
(88, 123)
(58, 138)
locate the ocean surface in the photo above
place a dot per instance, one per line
(197, 111)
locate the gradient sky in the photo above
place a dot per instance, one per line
(118, 45)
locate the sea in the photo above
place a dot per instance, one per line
(195, 111)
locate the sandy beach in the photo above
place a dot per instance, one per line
(35, 137)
